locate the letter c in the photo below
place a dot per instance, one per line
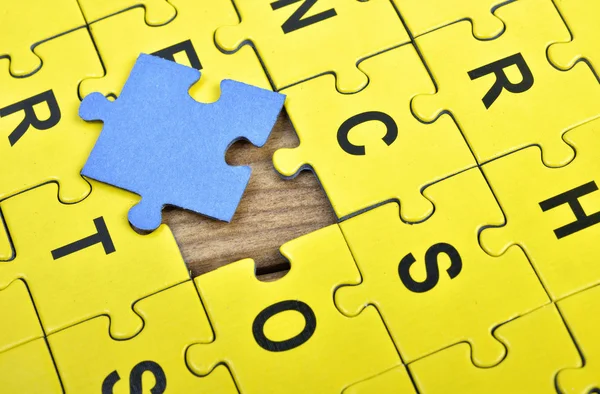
(345, 128)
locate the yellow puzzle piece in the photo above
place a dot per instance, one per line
(25, 362)
(158, 12)
(29, 369)
(83, 260)
(552, 213)
(19, 323)
(504, 93)
(580, 312)
(394, 381)
(581, 17)
(188, 39)
(26, 23)
(432, 283)
(423, 16)
(269, 332)
(298, 40)
(41, 134)
(538, 346)
(366, 148)
(90, 361)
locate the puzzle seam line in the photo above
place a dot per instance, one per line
(35, 45)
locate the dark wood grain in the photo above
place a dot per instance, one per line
(272, 211)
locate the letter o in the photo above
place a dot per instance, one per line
(280, 346)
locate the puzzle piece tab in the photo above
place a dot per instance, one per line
(504, 93)
(83, 260)
(29, 369)
(158, 12)
(367, 149)
(581, 17)
(420, 18)
(552, 213)
(432, 283)
(90, 360)
(160, 143)
(26, 23)
(268, 331)
(41, 135)
(538, 346)
(329, 36)
(580, 312)
(394, 381)
(188, 39)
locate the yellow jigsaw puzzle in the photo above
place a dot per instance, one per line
(292, 324)
(394, 381)
(298, 40)
(423, 16)
(25, 362)
(26, 23)
(83, 260)
(367, 149)
(538, 345)
(158, 12)
(153, 361)
(43, 137)
(580, 312)
(188, 39)
(552, 213)
(432, 283)
(456, 140)
(504, 93)
(581, 17)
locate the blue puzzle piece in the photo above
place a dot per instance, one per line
(160, 143)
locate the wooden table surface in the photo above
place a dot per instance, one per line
(273, 211)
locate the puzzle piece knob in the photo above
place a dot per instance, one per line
(94, 107)
(146, 215)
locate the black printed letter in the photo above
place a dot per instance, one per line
(135, 379)
(502, 81)
(109, 382)
(571, 197)
(30, 118)
(431, 267)
(186, 46)
(279, 346)
(101, 237)
(358, 150)
(295, 21)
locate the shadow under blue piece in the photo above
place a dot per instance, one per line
(160, 143)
